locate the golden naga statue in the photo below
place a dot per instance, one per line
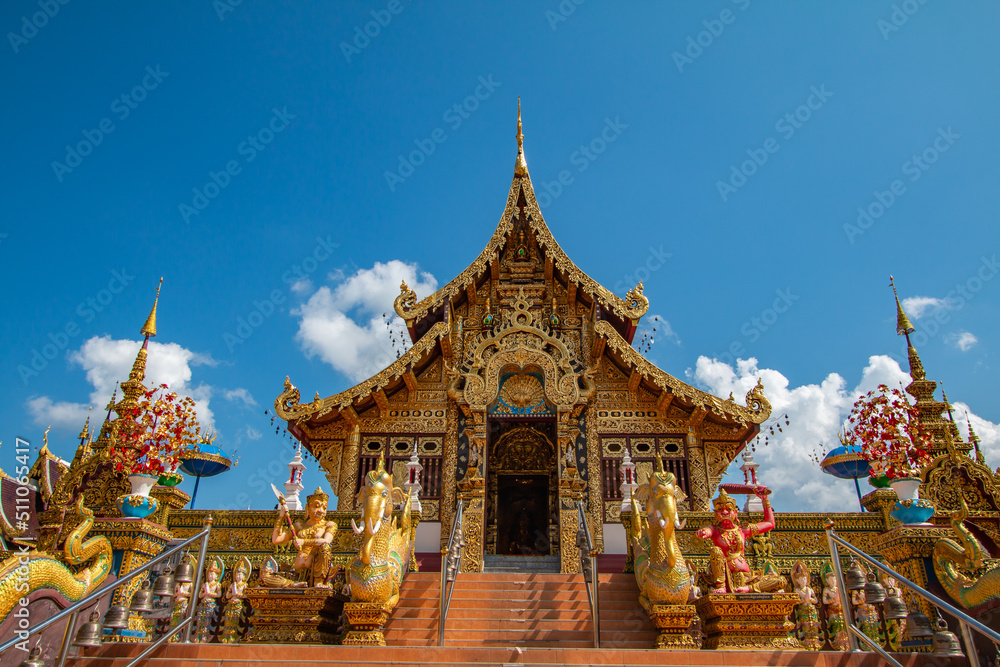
(660, 570)
(377, 571)
(311, 536)
(729, 570)
(952, 560)
(24, 574)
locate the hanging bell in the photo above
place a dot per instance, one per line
(142, 599)
(894, 607)
(91, 633)
(918, 625)
(854, 578)
(117, 617)
(34, 659)
(184, 574)
(946, 644)
(874, 591)
(164, 585)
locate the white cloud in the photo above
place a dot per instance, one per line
(240, 394)
(107, 361)
(301, 286)
(816, 412)
(918, 306)
(344, 326)
(963, 340)
(61, 415)
(253, 434)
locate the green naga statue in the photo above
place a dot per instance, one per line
(83, 567)
(964, 567)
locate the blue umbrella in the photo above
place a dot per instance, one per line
(208, 462)
(846, 462)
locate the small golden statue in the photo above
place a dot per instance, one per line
(728, 569)
(836, 628)
(806, 614)
(234, 602)
(208, 598)
(311, 536)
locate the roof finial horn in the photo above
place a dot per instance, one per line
(521, 167)
(149, 328)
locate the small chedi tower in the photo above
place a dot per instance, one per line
(294, 484)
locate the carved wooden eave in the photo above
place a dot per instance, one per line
(625, 312)
(372, 391)
(746, 418)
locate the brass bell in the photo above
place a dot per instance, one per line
(874, 591)
(91, 633)
(946, 644)
(184, 574)
(894, 607)
(918, 625)
(117, 617)
(854, 578)
(142, 599)
(34, 659)
(164, 585)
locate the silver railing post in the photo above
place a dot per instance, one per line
(193, 602)
(588, 568)
(451, 566)
(845, 599)
(67, 639)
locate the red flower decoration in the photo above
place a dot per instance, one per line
(887, 429)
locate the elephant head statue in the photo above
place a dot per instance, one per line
(376, 499)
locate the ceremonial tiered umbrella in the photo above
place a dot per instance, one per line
(846, 462)
(209, 461)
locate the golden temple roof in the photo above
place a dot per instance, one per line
(630, 308)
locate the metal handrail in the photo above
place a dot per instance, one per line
(451, 567)
(588, 567)
(74, 609)
(965, 621)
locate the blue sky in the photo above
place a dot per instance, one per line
(739, 138)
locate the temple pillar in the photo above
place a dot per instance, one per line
(571, 490)
(472, 491)
(701, 495)
(349, 469)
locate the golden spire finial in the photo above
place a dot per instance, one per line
(85, 433)
(903, 326)
(45, 440)
(972, 434)
(520, 167)
(520, 135)
(149, 328)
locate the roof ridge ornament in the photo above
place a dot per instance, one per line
(520, 167)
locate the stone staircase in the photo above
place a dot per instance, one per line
(529, 564)
(526, 609)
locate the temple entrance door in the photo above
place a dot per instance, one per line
(521, 489)
(523, 520)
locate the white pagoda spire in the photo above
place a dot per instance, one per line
(294, 483)
(749, 469)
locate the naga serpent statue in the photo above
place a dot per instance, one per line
(377, 571)
(24, 574)
(951, 558)
(660, 569)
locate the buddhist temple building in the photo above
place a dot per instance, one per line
(522, 390)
